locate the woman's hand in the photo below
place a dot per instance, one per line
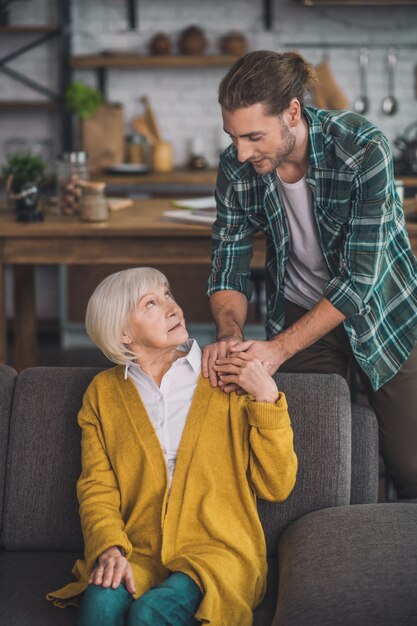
(112, 569)
(249, 374)
(213, 351)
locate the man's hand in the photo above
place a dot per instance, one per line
(112, 569)
(249, 374)
(269, 353)
(214, 351)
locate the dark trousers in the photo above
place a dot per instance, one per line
(395, 403)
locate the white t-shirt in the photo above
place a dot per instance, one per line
(306, 272)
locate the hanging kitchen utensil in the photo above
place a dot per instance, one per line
(361, 104)
(390, 103)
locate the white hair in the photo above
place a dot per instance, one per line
(111, 305)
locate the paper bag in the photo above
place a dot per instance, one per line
(103, 137)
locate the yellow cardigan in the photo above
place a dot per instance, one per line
(231, 449)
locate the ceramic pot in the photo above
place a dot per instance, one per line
(192, 41)
(233, 43)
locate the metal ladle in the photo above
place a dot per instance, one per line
(361, 104)
(390, 103)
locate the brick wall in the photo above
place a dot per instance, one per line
(185, 101)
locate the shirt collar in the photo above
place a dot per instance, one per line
(316, 143)
(193, 357)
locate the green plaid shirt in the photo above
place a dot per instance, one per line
(361, 229)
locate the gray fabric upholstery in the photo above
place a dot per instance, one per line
(264, 613)
(41, 524)
(350, 566)
(7, 383)
(319, 406)
(25, 579)
(365, 456)
(41, 510)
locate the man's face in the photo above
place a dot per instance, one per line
(264, 140)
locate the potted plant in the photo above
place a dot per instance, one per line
(24, 172)
(83, 100)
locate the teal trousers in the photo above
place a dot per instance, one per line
(172, 603)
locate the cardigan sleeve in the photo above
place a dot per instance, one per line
(272, 460)
(98, 491)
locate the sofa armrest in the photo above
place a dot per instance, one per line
(349, 565)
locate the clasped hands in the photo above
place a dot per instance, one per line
(243, 366)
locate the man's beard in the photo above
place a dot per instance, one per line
(288, 143)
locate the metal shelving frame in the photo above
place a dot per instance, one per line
(54, 99)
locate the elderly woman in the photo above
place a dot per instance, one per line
(171, 469)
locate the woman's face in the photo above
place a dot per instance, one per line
(157, 323)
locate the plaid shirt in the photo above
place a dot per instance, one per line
(361, 230)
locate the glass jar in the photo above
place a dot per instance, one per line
(138, 149)
(93, 203)
(72, 168)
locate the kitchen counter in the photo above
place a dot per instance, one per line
(185, 182)
(135, 236)
(179, 181)
(138, 235)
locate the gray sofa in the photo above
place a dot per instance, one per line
(341, 559)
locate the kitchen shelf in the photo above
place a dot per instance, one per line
(28, 105)
(85, 62)
(408, 181)
(177, 176)
(362, 3)
(29, 29)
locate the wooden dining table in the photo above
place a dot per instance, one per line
(137, 235)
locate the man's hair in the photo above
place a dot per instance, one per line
(266, 77)
(111, 305)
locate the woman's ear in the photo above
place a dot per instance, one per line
(126, 339)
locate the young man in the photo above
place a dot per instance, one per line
(341, 279)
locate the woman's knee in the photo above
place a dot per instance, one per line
(143, 613)
(160, 607)
(104, 606)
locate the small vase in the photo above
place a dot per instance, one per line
(27, 204)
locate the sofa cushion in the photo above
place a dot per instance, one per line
(41, 509)
(350, 566)
(7, 383)
(319, 407)
(365, 456)
(25, 579)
